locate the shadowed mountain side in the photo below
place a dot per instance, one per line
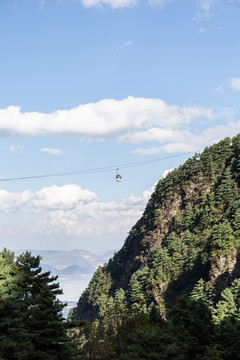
(189, 232)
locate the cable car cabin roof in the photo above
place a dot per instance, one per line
(197, 159)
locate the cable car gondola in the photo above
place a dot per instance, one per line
(197, 159)
(118, 176)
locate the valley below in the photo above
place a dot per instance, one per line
(74, 269)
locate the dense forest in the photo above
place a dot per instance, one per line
(171, 292)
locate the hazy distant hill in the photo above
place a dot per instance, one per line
(70, 264)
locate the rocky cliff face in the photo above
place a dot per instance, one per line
(190, 230)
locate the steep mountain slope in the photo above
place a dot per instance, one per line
(187, 240)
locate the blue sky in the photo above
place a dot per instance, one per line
(90, 84)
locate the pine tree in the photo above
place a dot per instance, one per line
(236, 223)
(192, 325)
(225, 192)
(225, 307)
(14, 340)
(222, 239)
(198, 292)
(187, 237)
(135, 291)
(174, 243)
(42, 310)
(187, 216)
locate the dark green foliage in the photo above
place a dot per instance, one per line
(191, 221)
(188, 333)
(188, 217)
(186, 242)
(31, 325)
(174, 243)
(221, 241)
(192, 325)
(226, 191)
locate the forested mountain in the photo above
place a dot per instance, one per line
(189, 235)
(186, 242)
(181, 261)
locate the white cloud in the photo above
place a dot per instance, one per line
(168, 128)
(164, 174)
(95, 217)
(140, 200)
(14, 202)
(52, 151)
(235, 83)
(63, 197)
(112, 3)
(74, 211)
(191, 142)
(156, 134)
(169, 148)
(105, 119)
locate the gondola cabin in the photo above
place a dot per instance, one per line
(197, 159)
(118, 177)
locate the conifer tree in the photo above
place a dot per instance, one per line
(198, 292)
(31, 324)
(236, 223)
(187, 216)
(192, 325)
(42, 310)
(174, 243)
(225, 307)
(14, 340)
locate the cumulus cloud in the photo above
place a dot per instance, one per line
(14, 202)
(160, 135)
(235, 83)
(52, 151)
(72, 210)
(62, 197)
(107, 119)
(190, 141)
(95, 217)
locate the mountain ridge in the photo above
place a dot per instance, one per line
(189, 231)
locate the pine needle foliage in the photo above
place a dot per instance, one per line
(182, 258)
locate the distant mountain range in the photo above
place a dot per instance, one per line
(70, 264)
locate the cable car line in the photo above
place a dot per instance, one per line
(93, 170)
